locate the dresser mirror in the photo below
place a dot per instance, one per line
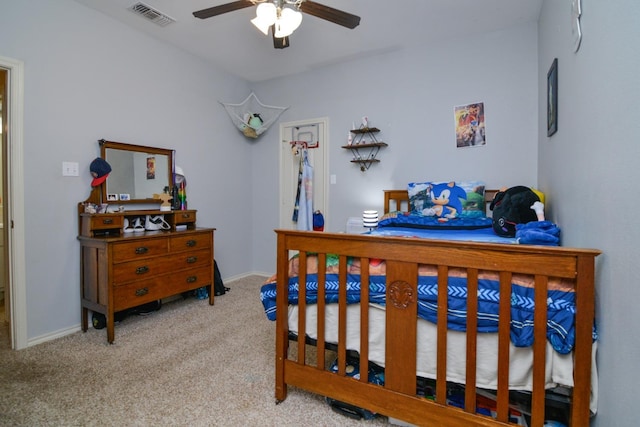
(137, 172)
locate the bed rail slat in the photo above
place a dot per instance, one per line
(441, 383)
(342, 315)
(401, 327)
(504, 338)
(539, 351)
(282, 326)
(585, 311)
(302, 304)
(472, 340)
(321, 345)
(364, 320)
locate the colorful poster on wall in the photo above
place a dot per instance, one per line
(151, 168)
(470, 129)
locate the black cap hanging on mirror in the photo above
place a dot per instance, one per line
(100, 170)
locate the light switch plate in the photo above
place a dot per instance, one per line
(70, 169)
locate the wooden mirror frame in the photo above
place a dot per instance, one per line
(99, 194)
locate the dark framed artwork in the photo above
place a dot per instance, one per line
(552, 98)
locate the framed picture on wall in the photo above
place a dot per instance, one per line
(552, 98)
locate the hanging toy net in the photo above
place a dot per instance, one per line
(251, 116)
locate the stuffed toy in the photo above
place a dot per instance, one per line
(252, 123)
(513, 206)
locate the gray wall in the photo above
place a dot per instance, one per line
(88, 77)
(410, 96)
(589, 168)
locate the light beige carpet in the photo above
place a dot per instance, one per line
(187, 364)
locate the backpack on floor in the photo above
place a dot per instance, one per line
(218, 284)
(511, 207)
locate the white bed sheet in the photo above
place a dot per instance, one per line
(559, 367)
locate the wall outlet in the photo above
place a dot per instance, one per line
(70, 169)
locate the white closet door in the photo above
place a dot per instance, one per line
(313, 132)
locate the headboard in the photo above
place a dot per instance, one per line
(398, 200)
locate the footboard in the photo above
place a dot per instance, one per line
(398, 398)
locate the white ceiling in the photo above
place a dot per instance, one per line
(230, 41)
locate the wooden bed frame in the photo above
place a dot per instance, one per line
(397, 397)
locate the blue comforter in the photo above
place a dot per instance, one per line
(560, 305)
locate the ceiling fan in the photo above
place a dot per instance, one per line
(282, 17)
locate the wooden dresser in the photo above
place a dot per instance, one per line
(123, 270)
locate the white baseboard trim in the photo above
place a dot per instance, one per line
(73, 329)
(243, 275)
(53, 335)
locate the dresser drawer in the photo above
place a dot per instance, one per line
(195, 259)
(141, 269)
(140, 292)
(189, 279)
(191, 242)
(140, 249)
(94, 224)
(106, 221)
(185, 217)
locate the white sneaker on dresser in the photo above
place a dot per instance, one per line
(128, 228)
(156, 222)
(138, 227)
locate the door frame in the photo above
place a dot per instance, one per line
(322, 150)
(14, 204)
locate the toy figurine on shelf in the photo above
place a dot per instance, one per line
(182, 196)
(179, 190)
(164, 197)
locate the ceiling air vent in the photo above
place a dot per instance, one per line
(151, 14)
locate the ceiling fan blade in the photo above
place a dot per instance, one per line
(223, 8)
(330, 14)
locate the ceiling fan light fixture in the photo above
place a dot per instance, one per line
(266, 15)
(282, 17)
(261, 24)
(288, 21)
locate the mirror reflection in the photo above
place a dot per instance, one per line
(137, 172)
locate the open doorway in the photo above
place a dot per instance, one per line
(5, 310)
(12, 188)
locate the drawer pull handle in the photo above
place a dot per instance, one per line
(192, 259)
(107, 221)
(142, 270)
(142, 291)
(191, 243)
(192, 279)
(141, 250)
(185, 215)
